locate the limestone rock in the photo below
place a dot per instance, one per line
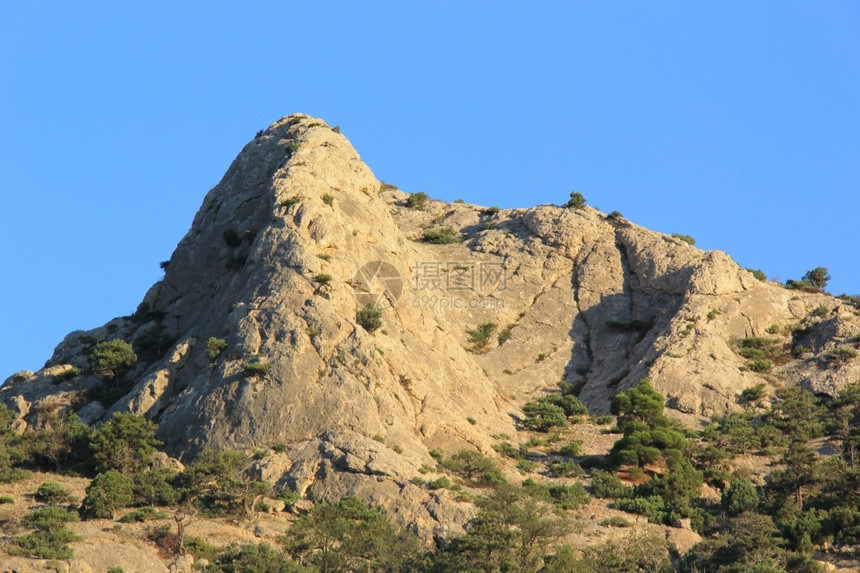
(299, 235)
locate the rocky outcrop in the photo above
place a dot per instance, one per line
(299, 235)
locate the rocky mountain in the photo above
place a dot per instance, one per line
(254, 338)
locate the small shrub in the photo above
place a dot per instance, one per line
(324, 256)
(6, 499)
(490, 211)
(292, 147)
(436, 455)
(441, 483)
(686, 238)
(143, 514)
(336, 129)
(564, 469)
(757, 273)
(713, 314)
(505, 335)
(378, 438)
(541, 416)
(323, 280)
(417, 200)
(616, 521)
(576, 201)
(471, 420)
(53, 493)
(279, 448)
(215, 346)
(607, 485)
(754, 393)
(68, 374)
(842, 354)
(480, 336)
(475, 467)
(571, 449)
(290, 201)
(507, 450)
(108, 359)
(443, 236)
(369, 318)
(821, 311)
(256, 369)
(526, 466)
(328, 199)
(51, 538)
(761, 365)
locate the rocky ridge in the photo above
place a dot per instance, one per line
(582, 297)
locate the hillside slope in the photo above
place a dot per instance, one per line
(299, 235)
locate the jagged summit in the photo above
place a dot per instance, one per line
(299, 235)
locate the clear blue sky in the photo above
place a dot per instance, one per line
(735, 122)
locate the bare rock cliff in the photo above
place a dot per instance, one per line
(299, 235)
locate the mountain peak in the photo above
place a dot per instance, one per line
(255, 337)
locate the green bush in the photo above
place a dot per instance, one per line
(323, 280)
(759, 274)
(256, 369)
(571, 448)
(108, 359)
(53, 493)
(215, 346)
(559, 469)
(606, 485)
(480, 336)
(67, 374)
(292, 147)
(125, 442)
(541, 416)
(417, 200)
(475, 467)
(328, 199)
(686, 238)
(51, 537)
(143, 514)
(443, 236)
(440, 483)
(576, 201)
(754, 393)
(290, 201)
(369, 318)
(761, 365)
(842, 354)
(108, 492)
(154, 487)
(565, 497)
(616, 521)
(571, 405)
(818, 277)
(740, 497)
(490, 211)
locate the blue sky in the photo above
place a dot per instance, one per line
(735, 122)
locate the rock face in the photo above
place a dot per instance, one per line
(299, 235)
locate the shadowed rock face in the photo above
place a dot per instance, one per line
(299, 234)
